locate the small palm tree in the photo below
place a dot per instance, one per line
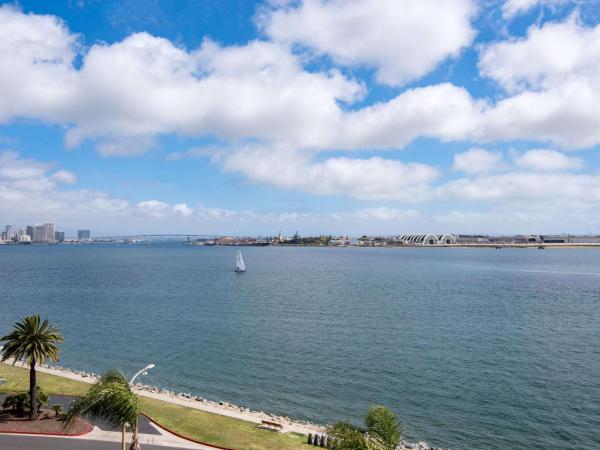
(111, 399)
(383, 432)
(32, 341)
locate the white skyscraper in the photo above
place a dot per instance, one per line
(44, 233)
(50, 229)
(8, 234)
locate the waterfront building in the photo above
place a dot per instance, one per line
(23, 239)
(570, 239)
(342, 240)
(473, 239)
(59, 236)
(8, 234)
(29, 231)
(39, 233)
(50, 229)
(428, 239)
(84, 235)
(44, 233)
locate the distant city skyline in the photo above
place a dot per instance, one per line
(323, 117)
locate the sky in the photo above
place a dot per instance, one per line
(319, 116)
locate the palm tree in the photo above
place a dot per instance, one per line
(383, 432)
(32, 341)
(111, 399)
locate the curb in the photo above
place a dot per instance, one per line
(195, 441)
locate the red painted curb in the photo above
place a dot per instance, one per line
(195, 441)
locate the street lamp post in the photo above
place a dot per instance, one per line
(143, 371)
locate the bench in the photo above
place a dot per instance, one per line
(269, 425)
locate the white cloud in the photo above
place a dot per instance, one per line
(64, 176)
(373, 178)
(515, 200)
(127, 93)
(554, 73)
(380, 214)
(442, 111)
(512, 8)
(154, 208)
(377, 33)
(28, 189)
(543, 160)
(477, 161)
(566, 189)
(554, 53)
(13, 168)
(183, 209)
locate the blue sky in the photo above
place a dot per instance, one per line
(322, 116)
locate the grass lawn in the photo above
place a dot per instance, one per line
(207, 427)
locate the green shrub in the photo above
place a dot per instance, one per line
(58, 409)
(19, 403)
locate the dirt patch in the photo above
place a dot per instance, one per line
(46, 423)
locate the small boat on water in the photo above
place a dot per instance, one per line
(239, 263)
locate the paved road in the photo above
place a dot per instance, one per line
(45, 443)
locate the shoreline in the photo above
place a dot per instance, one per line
(223, 408)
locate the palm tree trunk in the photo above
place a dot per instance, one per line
(32, 391)
(135, 439)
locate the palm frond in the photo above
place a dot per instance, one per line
(111, 399)
(32, 339)
(383, 428)
(347, 436)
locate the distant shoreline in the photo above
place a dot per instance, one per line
(494, 246)
(499, 246)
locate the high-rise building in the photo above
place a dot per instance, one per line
(39, 233)
(50, 229)
(84, 235)
(59, 236)
(29, 231)
(8, 234)
(44, 233)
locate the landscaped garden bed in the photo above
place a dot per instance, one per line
(15, 416)
(46, 423)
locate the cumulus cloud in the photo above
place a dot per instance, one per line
(372, 178)
(183, 209)
(554, 74)
(28, 188)
(125, 94)
(553, 53)
(566, 189)
(377, 33)
(544, 160)
(477, 161)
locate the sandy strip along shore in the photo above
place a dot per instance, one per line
(189, 400)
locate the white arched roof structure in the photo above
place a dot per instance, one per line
(427, 239)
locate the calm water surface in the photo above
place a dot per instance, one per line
(474, 348)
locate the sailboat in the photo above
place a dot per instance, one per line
(239, 263)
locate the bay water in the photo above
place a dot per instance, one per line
(473, 348)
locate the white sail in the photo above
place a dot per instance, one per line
(239, 263)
